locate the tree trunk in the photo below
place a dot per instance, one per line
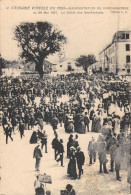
(39, 68)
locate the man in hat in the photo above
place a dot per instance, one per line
(55, 144)
(112, 149)
(54, 122)
(86, 121)
(4, 121)
(60, 151)
(44, 140)
(118, 157)
(92, 150)
(37, 155)
(21, 128)
(80, 160)
(8, 132)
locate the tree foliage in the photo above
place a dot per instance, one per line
(37, 41)
(3, 64)
(85, 61)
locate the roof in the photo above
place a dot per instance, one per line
(47, 62)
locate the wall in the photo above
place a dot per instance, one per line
(122, 53)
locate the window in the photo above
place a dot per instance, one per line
(127, 59)
(60, 65)
(127, 36)
(127, 47)
(69, 68)
(123, 36)
(123, 69)
(128, 70)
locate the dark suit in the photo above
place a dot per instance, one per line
(44, 141)
(8, 132)
(55, 144)
(37, 154)
(60, 151)
(86, 121)
(80, 161)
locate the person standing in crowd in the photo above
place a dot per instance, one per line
(92, 147)
(37, 155)
(86, 121)
(71, 142)
(80, 157)
(8, 131)
(44, 140)
(72, 164)
(98, 123)
(118, 159)
(101, 147)
(4, 121)
(112, 149)
(55, 144)
(32, 121)
(21, 128)
(60, 152)
(92, 112)
(103, 161)
(13, 122)
(76, 142)
(27, 120)
(54, 122)
(93, 127)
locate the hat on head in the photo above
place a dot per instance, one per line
(69, 187)
(78, 148)
(61, 140)
(72, 148)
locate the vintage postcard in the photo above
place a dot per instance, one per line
(65, 70)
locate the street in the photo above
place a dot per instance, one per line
(18, 168)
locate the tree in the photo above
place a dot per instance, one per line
(2, 64)
(85, 61)
(37, 41)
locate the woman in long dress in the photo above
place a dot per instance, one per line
(79, 124)
(72, 164)
(69, 126)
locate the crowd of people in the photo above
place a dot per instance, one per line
(83, 104)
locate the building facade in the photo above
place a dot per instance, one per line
(68, 66)
(95, 67)
(116, 57)
(47, 67)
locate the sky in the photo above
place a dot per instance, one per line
(86, 33)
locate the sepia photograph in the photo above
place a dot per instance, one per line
(65, 73)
